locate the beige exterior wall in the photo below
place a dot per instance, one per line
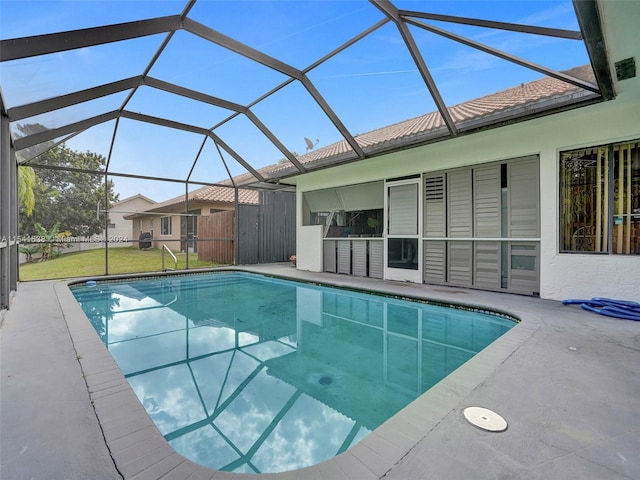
(125, 228)
(151, 222)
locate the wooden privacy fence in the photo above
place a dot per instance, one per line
(215, 238)
(266, 232)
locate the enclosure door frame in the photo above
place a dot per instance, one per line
(402, 231)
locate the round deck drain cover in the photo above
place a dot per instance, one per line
(485, 419)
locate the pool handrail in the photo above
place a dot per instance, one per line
(175, 260)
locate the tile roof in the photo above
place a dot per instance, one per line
(211, 194)
(133, 197)
(533, 97)
(527, 98)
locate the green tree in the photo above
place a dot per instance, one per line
(26, 184)
(52, 241)
(64, 192)
(67, 196)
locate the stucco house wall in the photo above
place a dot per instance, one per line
(149, 222)
(212, 199)
(123, 228)
(561, 275)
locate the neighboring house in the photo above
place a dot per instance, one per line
(120, 232)
(549, 206)
(174, 224)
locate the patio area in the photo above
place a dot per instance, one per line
(564, 379)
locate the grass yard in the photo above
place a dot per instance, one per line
(91, 263)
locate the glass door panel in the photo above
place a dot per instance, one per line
(403, 249)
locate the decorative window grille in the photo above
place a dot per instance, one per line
(600, 199)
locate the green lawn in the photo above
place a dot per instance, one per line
(91, 263)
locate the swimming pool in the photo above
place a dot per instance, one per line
(248, 373)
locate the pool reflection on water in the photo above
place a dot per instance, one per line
(247, 373)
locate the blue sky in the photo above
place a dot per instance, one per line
(372, 84)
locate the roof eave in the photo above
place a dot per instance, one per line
(498, 119)
(588, 17)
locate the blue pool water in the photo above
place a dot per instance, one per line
(248, 373)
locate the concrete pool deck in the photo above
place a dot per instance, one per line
(565, 380)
